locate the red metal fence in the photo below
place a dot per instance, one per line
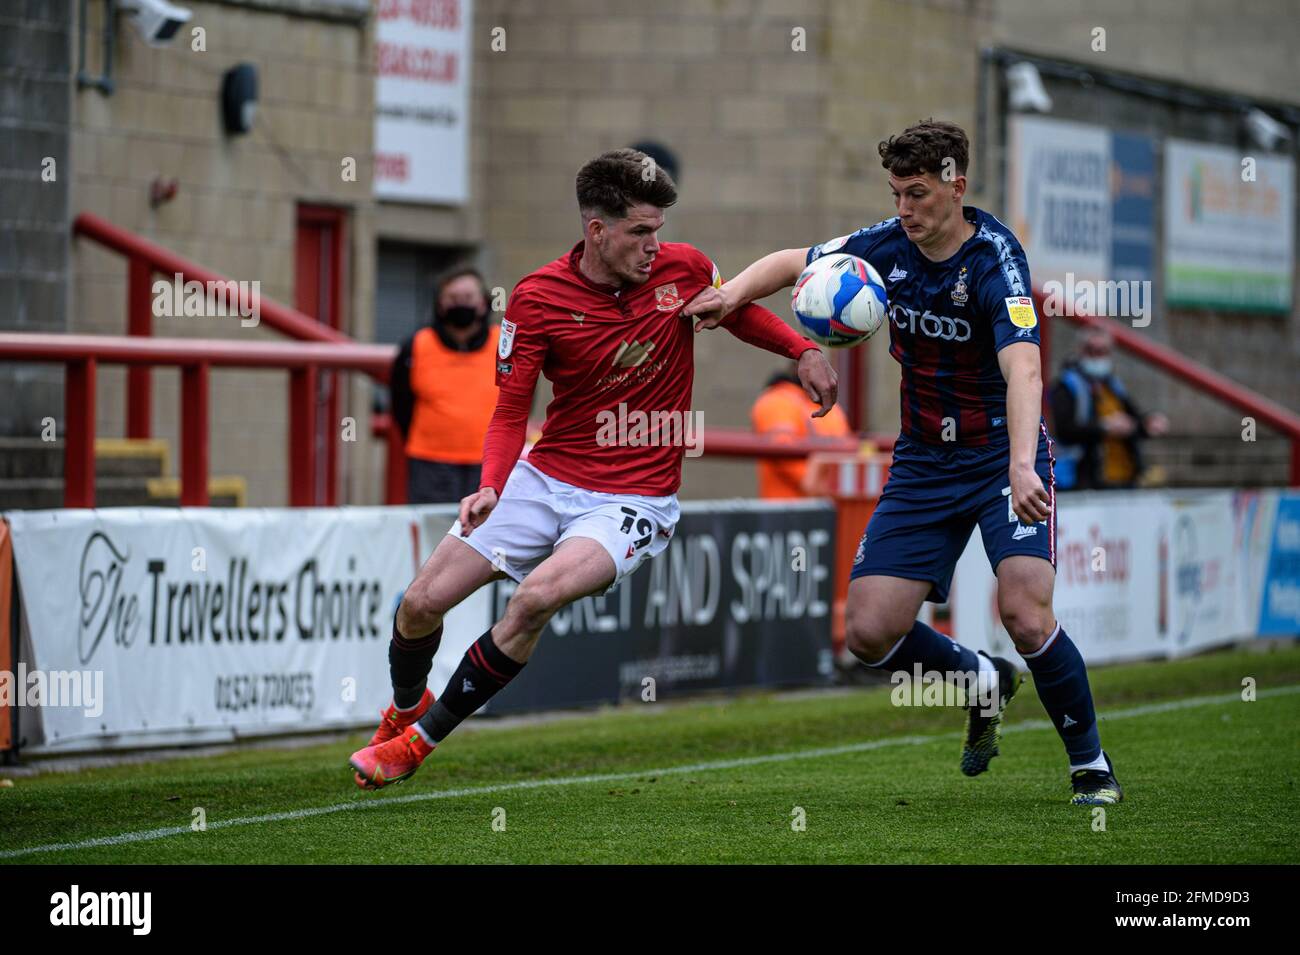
(81, 355)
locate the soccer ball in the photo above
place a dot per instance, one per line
(840, 300)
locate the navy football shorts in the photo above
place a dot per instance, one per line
(932, 501)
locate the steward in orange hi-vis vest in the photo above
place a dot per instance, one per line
(444, 392)
(455, 393)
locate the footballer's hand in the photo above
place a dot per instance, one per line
(474, 510)
(819, 380)
(710, 307)
(1029, 499)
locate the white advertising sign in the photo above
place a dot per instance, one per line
(422, 67)
(192, 624)
(1202, 581)
(1229, 228)
(1059, 197)
(1151, 573)
(1107, 594)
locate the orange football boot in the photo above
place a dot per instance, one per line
(392, 720)
(391, 762)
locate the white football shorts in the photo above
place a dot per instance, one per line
(536, 512)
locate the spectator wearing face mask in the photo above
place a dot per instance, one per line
(1097, 426)
(443, 387)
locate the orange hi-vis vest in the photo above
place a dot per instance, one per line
(455, 395)
(782, 411)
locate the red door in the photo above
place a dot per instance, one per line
(319, 292)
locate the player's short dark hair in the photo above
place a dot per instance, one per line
(922, 149)
(612, 181)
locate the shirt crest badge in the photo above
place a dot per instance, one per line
(959, 293)
(666, 297)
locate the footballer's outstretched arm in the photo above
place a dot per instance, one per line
(760, 279)
(1021, 366)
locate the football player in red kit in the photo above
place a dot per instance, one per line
(604, 324)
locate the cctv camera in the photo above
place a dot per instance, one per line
(155, 20)
(1266, 132)
(1025, 88)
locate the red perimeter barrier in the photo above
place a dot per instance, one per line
(83, 354)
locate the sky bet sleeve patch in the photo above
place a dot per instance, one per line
(507, 340)
(1021, 310)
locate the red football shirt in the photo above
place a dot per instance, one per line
(603, 347)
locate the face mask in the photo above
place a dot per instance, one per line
(1095, 367)
(460, 316)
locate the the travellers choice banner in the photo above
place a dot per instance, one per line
(202, 622)
(176, 625)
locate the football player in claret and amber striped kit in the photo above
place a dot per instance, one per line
(973, 449)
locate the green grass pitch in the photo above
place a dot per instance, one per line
(1209, 778)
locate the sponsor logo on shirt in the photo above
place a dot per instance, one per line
(505, 367)
(929, 324)
(631, 355)
(897, 275)
(577, 316)
(645, 372)
(666, 297)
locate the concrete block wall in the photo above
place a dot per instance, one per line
(35, 180)
(235, 211)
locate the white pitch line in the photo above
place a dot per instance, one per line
(149, 835)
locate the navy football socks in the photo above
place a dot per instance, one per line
(1061, 680)
(931, 649)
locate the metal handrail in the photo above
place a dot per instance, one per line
(81, 355)
(1203, 379)
(288, 321)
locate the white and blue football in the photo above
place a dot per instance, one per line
(840, 300)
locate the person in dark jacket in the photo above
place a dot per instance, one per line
(1096, 423)
(443, 387)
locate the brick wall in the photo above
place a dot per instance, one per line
(35, 77)
(777, 145)
(235, 211)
